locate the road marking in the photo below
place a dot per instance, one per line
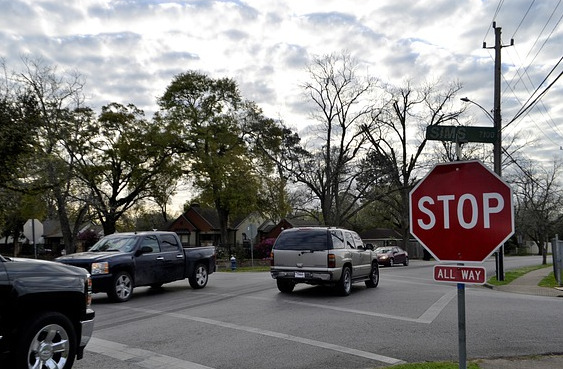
(283, 336)
(433, 311)
(140, 357)
(426, 318)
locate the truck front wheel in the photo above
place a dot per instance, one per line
(121, 288)
(200, 276)
(47, 340)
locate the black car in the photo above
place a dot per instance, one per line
(46, 318)
(391, 255)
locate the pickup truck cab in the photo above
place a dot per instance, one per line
(122, 261)
(46, 318)
(322, 255)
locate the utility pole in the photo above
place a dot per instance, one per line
(497, 146)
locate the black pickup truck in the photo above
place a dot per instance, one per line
(122, 261)
(46, 318)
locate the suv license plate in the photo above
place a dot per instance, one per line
(299, 274)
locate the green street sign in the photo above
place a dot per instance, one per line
(461, 134)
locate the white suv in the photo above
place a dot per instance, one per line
(322, 255)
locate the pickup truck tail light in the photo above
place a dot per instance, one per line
(331, 261)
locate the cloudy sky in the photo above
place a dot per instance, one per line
(129, 50)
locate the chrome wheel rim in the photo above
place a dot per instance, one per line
(49, 348)
(123, 287)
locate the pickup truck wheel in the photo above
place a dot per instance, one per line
(47, 340)
(285, 286)
(345, 284)
(122, 287)
(373, 280)
(199, 278)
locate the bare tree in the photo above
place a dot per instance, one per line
(539, 199)
(397, 145)
(343, 102)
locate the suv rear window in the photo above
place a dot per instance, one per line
(303, 239)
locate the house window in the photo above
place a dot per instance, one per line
(185, 239)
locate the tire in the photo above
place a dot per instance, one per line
(121, 288)
(47, 340)
(344, 286)
(406, 262)
(199, 277)
(373, 280)
(285, 286)
(391, 262)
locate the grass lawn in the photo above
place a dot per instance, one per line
(549, 281)
(515, 273)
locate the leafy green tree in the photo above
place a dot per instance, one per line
(43, 101)
(120, 158)
(213, 120)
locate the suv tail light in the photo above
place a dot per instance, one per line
(271, 258)
(331, 261)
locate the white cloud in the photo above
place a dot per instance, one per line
(129, 51)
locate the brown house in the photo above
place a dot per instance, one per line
(197, 227)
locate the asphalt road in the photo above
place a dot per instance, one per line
(240, 320)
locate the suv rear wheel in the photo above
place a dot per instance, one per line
(285, 286)
(344, 286)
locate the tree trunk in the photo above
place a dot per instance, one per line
(223, 225)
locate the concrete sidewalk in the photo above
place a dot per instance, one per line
(527, 284)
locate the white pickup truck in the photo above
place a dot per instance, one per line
(322, 255)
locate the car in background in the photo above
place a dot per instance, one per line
(391, 255)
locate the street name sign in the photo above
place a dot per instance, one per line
(460, 274)
(461, 212)
(461, 134)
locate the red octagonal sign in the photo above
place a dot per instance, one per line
(461, 211)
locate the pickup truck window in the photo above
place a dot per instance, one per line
(124, 244)
(315, 240)
(337, 239)
(152, 242)
(169, 243)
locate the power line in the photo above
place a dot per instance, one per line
(535, 101)
(524, 17)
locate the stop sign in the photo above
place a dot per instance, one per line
(461, 212)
